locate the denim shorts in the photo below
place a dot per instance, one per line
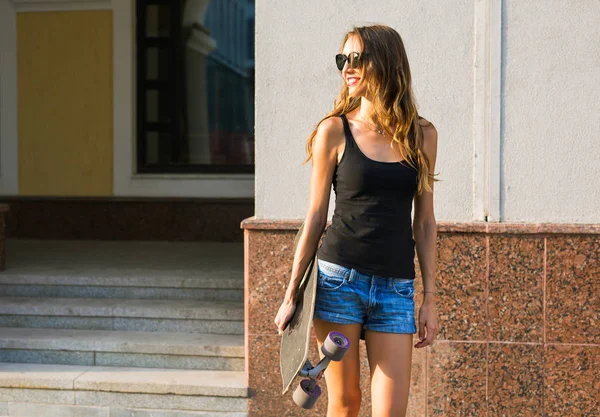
(380, 304)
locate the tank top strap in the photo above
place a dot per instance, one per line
(347, 132)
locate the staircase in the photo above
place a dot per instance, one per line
(122, 329)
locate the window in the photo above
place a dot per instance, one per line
(195, 96)
(250, 39)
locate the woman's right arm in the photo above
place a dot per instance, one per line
(325, 146)
(330, 135)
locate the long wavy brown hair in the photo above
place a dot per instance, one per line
(386, 71)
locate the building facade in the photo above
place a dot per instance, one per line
(512, 88)
(117, 103)
(188, 119)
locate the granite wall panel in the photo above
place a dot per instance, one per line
(456, 382)
(515, 379)
(516, 288)
(572, 380)
(518, 310)
(461, 282)
(573, 289)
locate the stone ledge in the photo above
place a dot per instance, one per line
(252, 223)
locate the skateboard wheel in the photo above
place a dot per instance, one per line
(335, 346)
(305, 398)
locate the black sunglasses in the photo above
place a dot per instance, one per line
(354, 60)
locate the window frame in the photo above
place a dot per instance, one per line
(174, 91)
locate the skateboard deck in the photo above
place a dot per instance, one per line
(295, 340)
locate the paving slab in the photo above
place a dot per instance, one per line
(118, 259)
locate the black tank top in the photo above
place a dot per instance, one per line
(371, 228)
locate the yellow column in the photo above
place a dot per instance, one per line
(65, 103)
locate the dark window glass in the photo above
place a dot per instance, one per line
(250, 39)
(195, 86)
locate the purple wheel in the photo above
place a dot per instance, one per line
(335, 346)
(304, 396)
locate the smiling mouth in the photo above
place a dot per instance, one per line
(352, 81)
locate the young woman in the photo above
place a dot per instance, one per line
(378, 153)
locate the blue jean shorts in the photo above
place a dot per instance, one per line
(380, 304)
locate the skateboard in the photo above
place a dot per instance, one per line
(295, 341)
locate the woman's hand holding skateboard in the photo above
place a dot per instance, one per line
(285, 313)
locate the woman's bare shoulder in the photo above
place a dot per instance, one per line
(331, 125)
(423, 122)
(331, 131)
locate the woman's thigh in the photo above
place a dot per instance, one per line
(390, 358)
(343, 377)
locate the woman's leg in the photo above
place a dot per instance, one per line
(342, 378)
(390, 357)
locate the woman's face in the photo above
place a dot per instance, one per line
(353, 77)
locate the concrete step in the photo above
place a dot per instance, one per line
(157, 288)
(133, 269)
(108, 391)
(190, 316)
(122, 348)
(20, 409)
(45, 410)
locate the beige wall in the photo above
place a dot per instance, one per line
(551, 120)
(64, 62)
(297, 81)
(512, 87)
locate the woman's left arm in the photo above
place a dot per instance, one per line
(425, 235)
